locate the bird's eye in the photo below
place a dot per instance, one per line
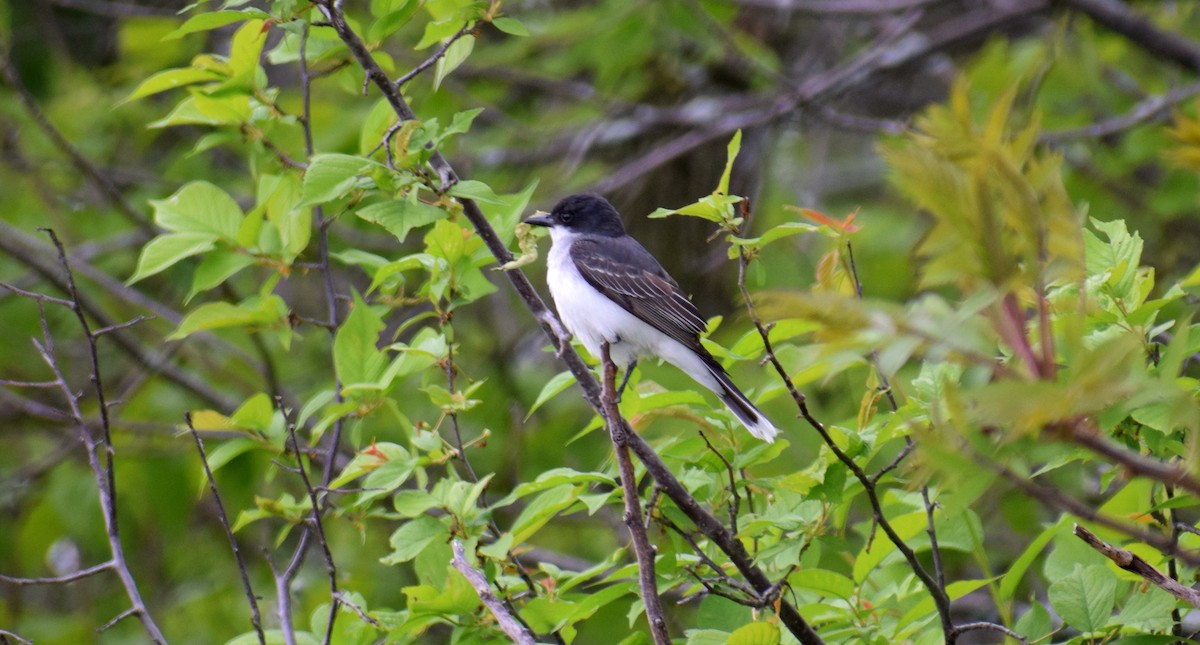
(566, 217)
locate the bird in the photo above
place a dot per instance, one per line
(608, 288)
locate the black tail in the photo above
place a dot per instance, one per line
(742, 408)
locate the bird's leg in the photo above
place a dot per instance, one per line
(625, 381)
(561, 335)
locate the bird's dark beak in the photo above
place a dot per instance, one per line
(540, 218)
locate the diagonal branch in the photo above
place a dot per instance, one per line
(1129, 561)
(255, 617)
(617, 428)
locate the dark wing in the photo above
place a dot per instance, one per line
(631, 277)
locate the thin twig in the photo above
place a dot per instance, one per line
(11, 77)
(255, 616)
(437, 55)
(315, 503)
(617, 431)
(737, 500)
(936, 590)
(985, 626)
(515, 630)
(59, 580)
(105, 475)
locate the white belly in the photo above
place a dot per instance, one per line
(593, 319)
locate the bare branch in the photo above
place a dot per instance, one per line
(437, 55)
(255, 617)
(515, 630)
(58, 580)
(617, 429)
(864, 8)
(105, 475)
(936, 588)
(1129, 561)
(320, 531)
(983, 626)
(85, 167)
(1151, 108)
(1119, 17)
(5, 634)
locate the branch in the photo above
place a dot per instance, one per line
(1128, 561)
(320, 531)
(515, 630)
(1118, 17)
(255, 617)
(1084, 433)
(864, 8)
(1054, 497)
(105, 475)
(429, 62)
(1146, 110)
(85, 167)
(59, 580)
(647, 581)
(984, 626)
(933, 583)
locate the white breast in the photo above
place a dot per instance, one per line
(590, 315)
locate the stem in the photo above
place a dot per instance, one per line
(617, 431)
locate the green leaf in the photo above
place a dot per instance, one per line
(356, 356)
(399, 216)
(731, 152)
(165, 250)
(1008, 586)
(412, 503)
(199, 207)
(476, 190)
(256, 311)
(215, 269)
(245, 51)
(1035, 623)
(409, 540)
(439, 31)
(553, 387)
(755, 633)
(278, 195)
(1148, 609)
(824, 582)
(1085, 598)
(329, 176)
(212, 20)
(542, 509)
(511, 26)
(455, 55)
(906, 526)
(171, 79)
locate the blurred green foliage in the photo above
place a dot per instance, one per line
(1016, 296)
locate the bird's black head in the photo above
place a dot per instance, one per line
(585, 213)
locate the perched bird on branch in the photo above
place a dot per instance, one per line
(608, 288)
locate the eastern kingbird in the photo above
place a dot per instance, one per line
(607, 287)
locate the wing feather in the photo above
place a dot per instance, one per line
(632, 278)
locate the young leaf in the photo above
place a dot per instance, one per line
(199, 207)
(165, 250)
(1085, 598)
(356, 356)
(329, 176)
(455, 55)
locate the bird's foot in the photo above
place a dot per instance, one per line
(625, 381)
